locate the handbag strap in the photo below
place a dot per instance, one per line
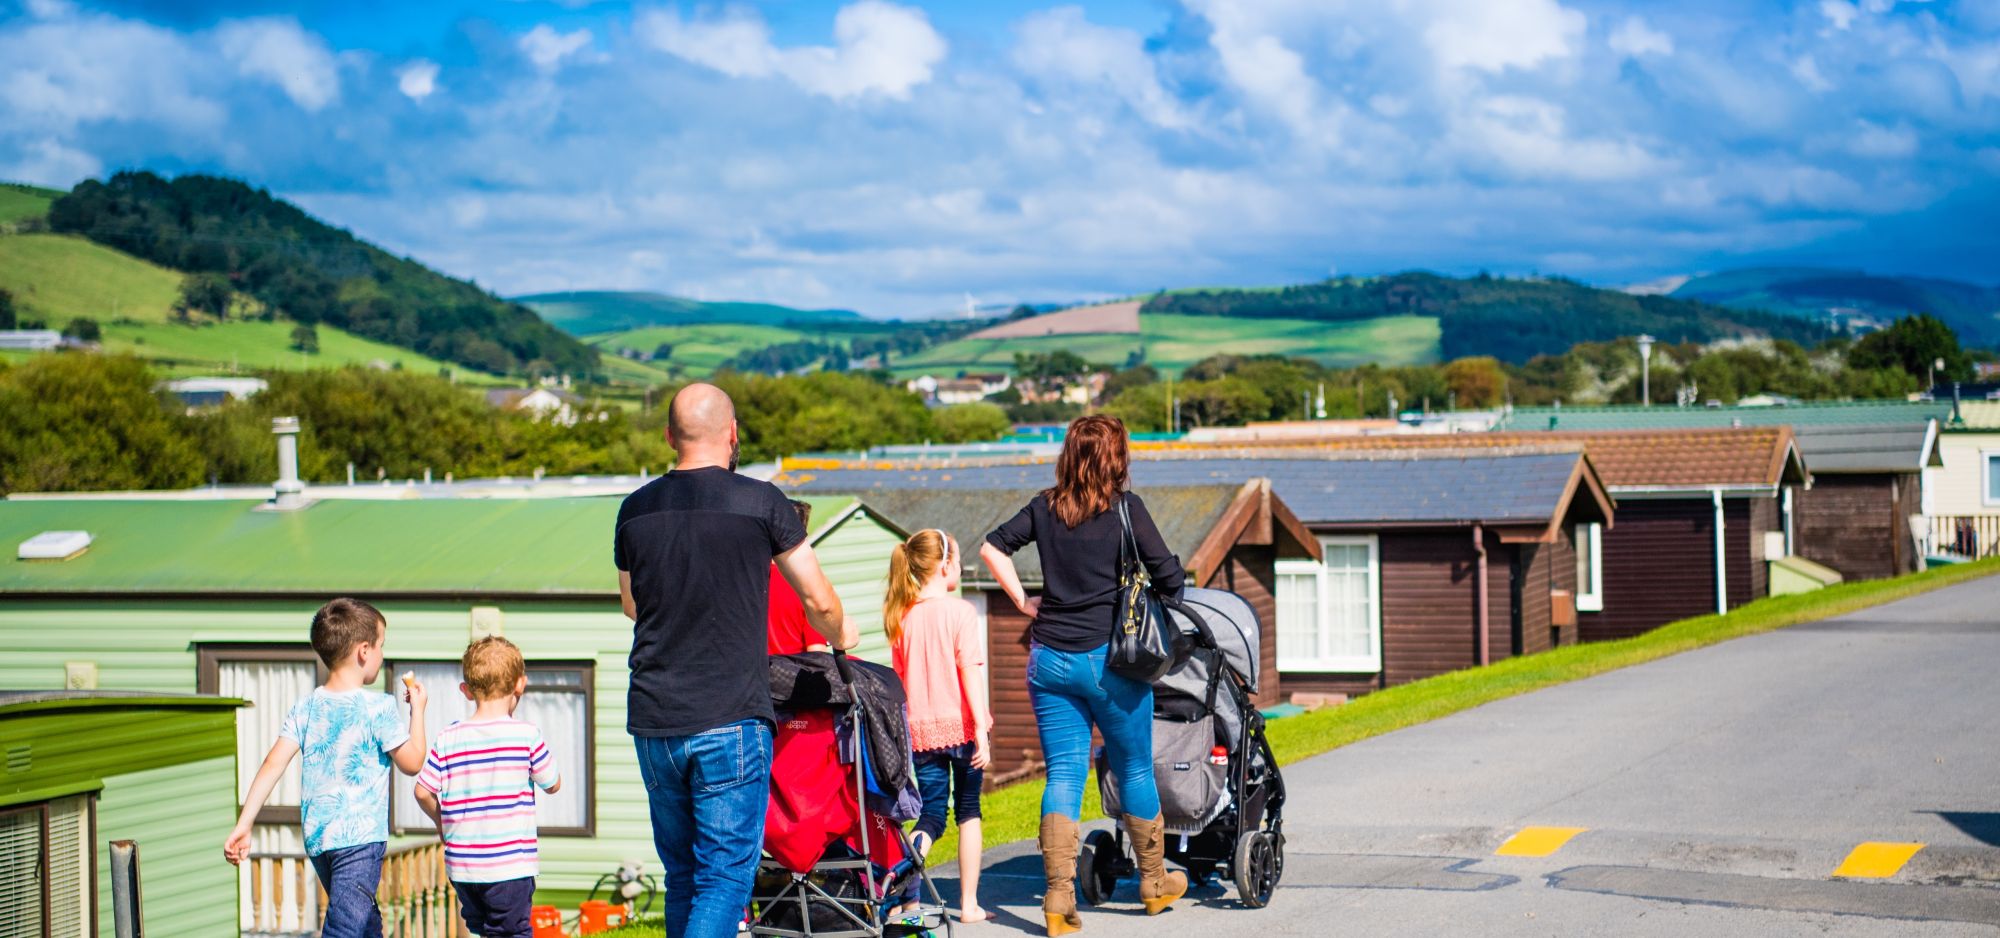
(1128, 542)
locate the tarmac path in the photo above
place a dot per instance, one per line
(1716, 792)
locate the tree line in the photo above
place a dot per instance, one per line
(79, 422)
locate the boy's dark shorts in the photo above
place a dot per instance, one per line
(497, 910)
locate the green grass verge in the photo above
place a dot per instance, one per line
(57, 278)
(1014, 813)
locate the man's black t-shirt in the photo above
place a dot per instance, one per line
(699, 544)
(1080, 568)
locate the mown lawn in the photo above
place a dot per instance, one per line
(1014, 813)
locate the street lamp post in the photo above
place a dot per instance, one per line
(1645, 371)
(1936, 366)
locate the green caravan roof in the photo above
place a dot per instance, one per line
(1667, 417)
(458, 547)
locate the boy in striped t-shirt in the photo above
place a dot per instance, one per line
(479, 786)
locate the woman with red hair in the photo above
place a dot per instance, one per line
(1076, 530)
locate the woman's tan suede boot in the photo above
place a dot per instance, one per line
(1157, 887)
(1058, 840)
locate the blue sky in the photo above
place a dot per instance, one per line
(893, 157)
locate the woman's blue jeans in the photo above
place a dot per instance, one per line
(1071, 690)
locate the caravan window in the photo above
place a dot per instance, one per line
(48, 868)
(559, 702)
(272, 678)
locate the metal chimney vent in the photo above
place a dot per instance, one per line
(288, 493)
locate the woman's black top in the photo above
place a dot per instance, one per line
(1080, 568)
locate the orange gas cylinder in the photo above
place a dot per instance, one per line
(546, 920)
(597, 915)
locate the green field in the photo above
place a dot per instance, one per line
(18, 202)
(596, 312)
(228, 346)
(56, 278)
(701, 348)
(1173, 342)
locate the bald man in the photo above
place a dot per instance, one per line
(694, 549)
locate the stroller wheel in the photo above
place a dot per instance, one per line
(1097, 867)
(1260, 861)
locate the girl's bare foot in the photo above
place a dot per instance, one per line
(973, 914)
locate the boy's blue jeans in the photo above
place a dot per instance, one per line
(708, 794)
(350, 875)
(1070, 691)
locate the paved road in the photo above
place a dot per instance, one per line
(1719, 790)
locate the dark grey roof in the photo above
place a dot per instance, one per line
(1400, 488)
(1185, 514)
(1833, 450)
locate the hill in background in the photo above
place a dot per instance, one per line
(1510, 319)
(594, 312)
(21, 203)
(1822, 294)
(299, 268)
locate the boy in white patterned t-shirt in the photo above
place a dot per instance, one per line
(478, 785)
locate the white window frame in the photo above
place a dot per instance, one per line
(1986, 457)
(1339, 664)
(1590, 596)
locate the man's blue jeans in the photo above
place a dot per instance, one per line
(350, 875)
(708, 794)
(1072, 690)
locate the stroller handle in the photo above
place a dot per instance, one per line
(846, 670)
(1201, 629)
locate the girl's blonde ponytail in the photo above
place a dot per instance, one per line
(911, 565)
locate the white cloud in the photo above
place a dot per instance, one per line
(1530, 136)
(280, 51)
(547, 48)
(51, 163)
(60, 75)
(1493, 35)
(1634, 38)
(1840, 14)
(49, 9)
(1806, 69)
(1876, 142)
(418, 79)
(1062, 45)
(880, 48)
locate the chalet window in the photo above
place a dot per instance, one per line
(1590, 567)
(1329, 614)
(47, 869)
(272, 678)
(1989, 488)
(559, 702)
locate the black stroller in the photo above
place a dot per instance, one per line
(1220, 790)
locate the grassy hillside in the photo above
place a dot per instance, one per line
(308, 271)
(216, 347)
(56, 278)
(20, 203)
(1173, 342)
(591, 312)
(1510, 319)
(1809, 292)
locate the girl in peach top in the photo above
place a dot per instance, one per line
(935, 643)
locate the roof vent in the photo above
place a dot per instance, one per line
(54, 545)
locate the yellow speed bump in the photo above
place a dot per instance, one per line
(1876, 860)
(1537, 841)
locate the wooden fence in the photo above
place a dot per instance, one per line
(281, 896)
(1969, 536)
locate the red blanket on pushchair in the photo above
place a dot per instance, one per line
(813, 802)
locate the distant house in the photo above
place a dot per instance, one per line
(198, 393)
(1231, 536)
(178, 597)
(30, 340)
(1081, 392)
(1868, 460)
(1429, 561)
(991, 383)
(552, 405)
(1675, 490)
(1963, 504)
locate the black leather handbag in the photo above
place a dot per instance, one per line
(1144, 642)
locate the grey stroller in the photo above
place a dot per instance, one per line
(1220, 790)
